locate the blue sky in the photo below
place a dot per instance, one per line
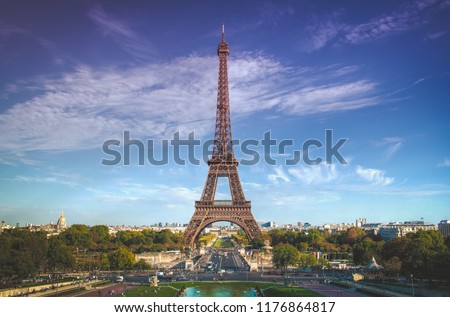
(77, 73)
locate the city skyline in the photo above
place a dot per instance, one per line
(78, 74)
(167, 224)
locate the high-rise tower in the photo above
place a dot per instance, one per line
(222, 164)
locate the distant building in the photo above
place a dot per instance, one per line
(50, 228)
(360, 222)
(62, 223)
(393, 230)
(444, 227)
(4, 226)
(269, 224)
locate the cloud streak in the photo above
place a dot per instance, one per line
(280, 174)
(81, 109)
(393, 144)
(331, 31)
(444, 163)
(315, 174)
(374, 176)
(121, 33)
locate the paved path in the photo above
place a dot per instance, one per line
(110, 290)
(332, 291)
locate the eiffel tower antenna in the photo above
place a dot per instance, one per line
(222, 164)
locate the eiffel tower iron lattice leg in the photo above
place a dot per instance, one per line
(222, 164)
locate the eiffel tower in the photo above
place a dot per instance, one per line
(222, 164)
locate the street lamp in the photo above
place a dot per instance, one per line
(262, 266)
(412, 284)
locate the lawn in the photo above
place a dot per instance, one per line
(149, 291)
(290, 292)
(221, 243)
(171, 289)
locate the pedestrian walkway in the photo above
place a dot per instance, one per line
(376, 291)
(333, 291)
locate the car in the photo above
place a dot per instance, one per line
(119, 279)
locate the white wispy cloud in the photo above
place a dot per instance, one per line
(121, 33)
(8, 31)
(405, 18)
(47, 179)
(321, 31)
(392, 145)
(331, 30)
(134, 192)
(435, 35)
(444, 163)
(266, 14)
(315, 174)
(294, 200)
(392, 149)
(83, 108)
(374, 176)
(279, 174)
(332, 97)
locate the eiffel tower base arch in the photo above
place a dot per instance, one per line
(210, 212)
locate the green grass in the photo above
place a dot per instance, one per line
(261, 285)
(149, 291)
(221, 243)
(170, 289)
(290, 292)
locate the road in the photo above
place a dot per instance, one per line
(230, 261)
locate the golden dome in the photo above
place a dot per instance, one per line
(62, 223)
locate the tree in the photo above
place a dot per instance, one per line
(315, 238)
(164, 236)
(393, 266)
(302, 246)
(257, 242)
(100, 235)
(78, 236)
(284, 255)
(425, 245)
(440, 264)
(142, 265)
(396, 248)
(23, 253)
(121, 259)
(130, 238)
(306, 260)
(352, 236)
(59, 256)
(363, 251)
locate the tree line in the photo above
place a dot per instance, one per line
(27, 254)
(425, 253)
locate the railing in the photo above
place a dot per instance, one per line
(201, 203)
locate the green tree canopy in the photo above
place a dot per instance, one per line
(77, 236)
(121, 259)
(100, 235)
(284, 255)
(59, 256)
(364, 250)
(422, 251)
(23, 253)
